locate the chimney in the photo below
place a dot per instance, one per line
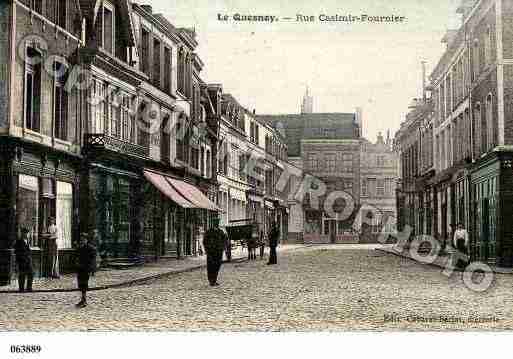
(148, 8)
(254, 112)
(424, 96)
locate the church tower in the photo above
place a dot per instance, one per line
(307, 104)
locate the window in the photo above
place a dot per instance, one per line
(156, 63)
(488, 46)
(372, 186)
(27, 206)
(37, 6)
(380, 161)
(476, 59)
(202, 162)
(64, 213)
(476, 135)
(490, 122)
(388, 187)
(257, 134)
(145, 51)
(484, 132)
(365, 188)
(167, 70)
(347, 162)
(60, 107)
(127, 119)
(108, 28)
(312, 162)
(181, 71)
(32, 89)
(60, 12)
(331, 163)
(348, 186)
(165, 146)
(208, 164)
(380, 187)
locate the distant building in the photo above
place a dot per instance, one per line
(379, 171)
(326, 146)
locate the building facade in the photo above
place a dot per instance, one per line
(107, 127)
(326, 150)
(252, 156)
(471, 134)
(379, 172)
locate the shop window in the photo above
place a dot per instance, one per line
(64, 213)
(27, 206)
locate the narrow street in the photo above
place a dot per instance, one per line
(317, 288)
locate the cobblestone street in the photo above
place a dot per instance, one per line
(315, 288)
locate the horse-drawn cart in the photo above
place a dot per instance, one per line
(246, 233)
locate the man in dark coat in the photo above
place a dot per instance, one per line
(24, 261)
(274, 236)
(86, 262)
(214, 243)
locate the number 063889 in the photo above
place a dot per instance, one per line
(27, 349)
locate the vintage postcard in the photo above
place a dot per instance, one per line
(275, 166)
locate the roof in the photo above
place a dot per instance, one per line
(312, 126)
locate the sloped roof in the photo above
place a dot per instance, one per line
(312, 126)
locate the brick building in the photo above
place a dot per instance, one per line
(471, 179)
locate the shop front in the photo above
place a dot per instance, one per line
(37, 186)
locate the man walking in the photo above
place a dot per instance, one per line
(274, 236)
(460, 241)
(214, 243)
(24, 261)
(86, 261)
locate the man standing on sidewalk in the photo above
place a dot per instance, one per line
(86, 262)
(24, 261)
(214, 243)
(274, 236)
(460, 241)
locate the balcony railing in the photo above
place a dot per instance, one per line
(104, 142)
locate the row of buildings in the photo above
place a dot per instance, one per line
(107, 126)
(455, 144)
(352, 180)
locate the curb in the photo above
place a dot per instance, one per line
(128, 283)
(495, 270)
(136, 281)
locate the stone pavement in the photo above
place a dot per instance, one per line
(311, 289)
(112, 278)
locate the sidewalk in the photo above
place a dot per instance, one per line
(113, 278)
(442, 261)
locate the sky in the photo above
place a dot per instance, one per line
(267, 66)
